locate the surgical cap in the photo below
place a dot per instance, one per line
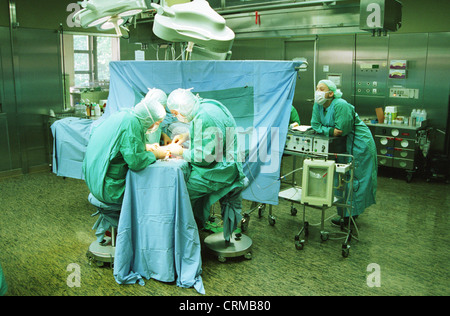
(183, 101)
(332, 86)
(150, 109)
(156, 94)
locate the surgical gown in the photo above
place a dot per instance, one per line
(341, 115)
(294, 118)
(116, 145)
(216, 169)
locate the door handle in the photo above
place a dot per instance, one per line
(309, 100)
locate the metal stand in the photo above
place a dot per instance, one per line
(101, 253)
(239, 245)
(325, 235)
(293, 195)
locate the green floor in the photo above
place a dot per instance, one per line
(45, 226)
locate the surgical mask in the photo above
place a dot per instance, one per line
(182, 119)
(319, 97)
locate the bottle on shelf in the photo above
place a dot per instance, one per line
(423, 116)
(413, 117)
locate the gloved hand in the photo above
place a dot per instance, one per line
(175, 149)
(166, 139)
(181, 138)
(158, 151)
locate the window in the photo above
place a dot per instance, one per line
(91, 56)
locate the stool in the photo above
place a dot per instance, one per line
(226, 244)
(103, 249)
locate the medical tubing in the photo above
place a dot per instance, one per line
(284, 176)
(278, 179)
(323, 220)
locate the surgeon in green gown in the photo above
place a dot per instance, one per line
(118, 144)
(294, 119)
(333, 116)
(213, 152)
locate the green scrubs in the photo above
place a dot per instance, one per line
(341, 115)
(213, 155)
(116, 145)
(294, 116)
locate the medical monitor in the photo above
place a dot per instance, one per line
(317, 182)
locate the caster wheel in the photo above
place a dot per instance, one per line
(324, 236)
(272, 220)
(221, 259)
(299, 244)
(248, 256)
(293, 211)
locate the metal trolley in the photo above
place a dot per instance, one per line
(294, 194)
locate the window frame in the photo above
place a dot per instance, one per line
(92, 54)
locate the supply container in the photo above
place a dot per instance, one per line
(393, 110)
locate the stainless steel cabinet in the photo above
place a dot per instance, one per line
(397, 146)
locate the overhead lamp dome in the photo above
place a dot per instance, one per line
(108, 14)
(193, 22)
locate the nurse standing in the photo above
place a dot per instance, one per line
(333, 116)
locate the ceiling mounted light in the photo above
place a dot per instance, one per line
(111, 24)
(108, 14)
(99, 21)
(194, 22)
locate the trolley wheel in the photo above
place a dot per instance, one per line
(248, 256)
(345, 250)
(272, 220)
(293, 211)
(299, 244)
(221, 259)
(324, 236)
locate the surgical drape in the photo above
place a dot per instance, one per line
(258, 94)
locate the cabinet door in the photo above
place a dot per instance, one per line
(5, 151)
(403, 153)
(403, 163)
(384, 161)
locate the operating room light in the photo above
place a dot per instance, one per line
(129, 13)
(110, 24)
(108, 14)
(99, 21)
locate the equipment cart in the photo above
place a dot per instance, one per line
(317, 192)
